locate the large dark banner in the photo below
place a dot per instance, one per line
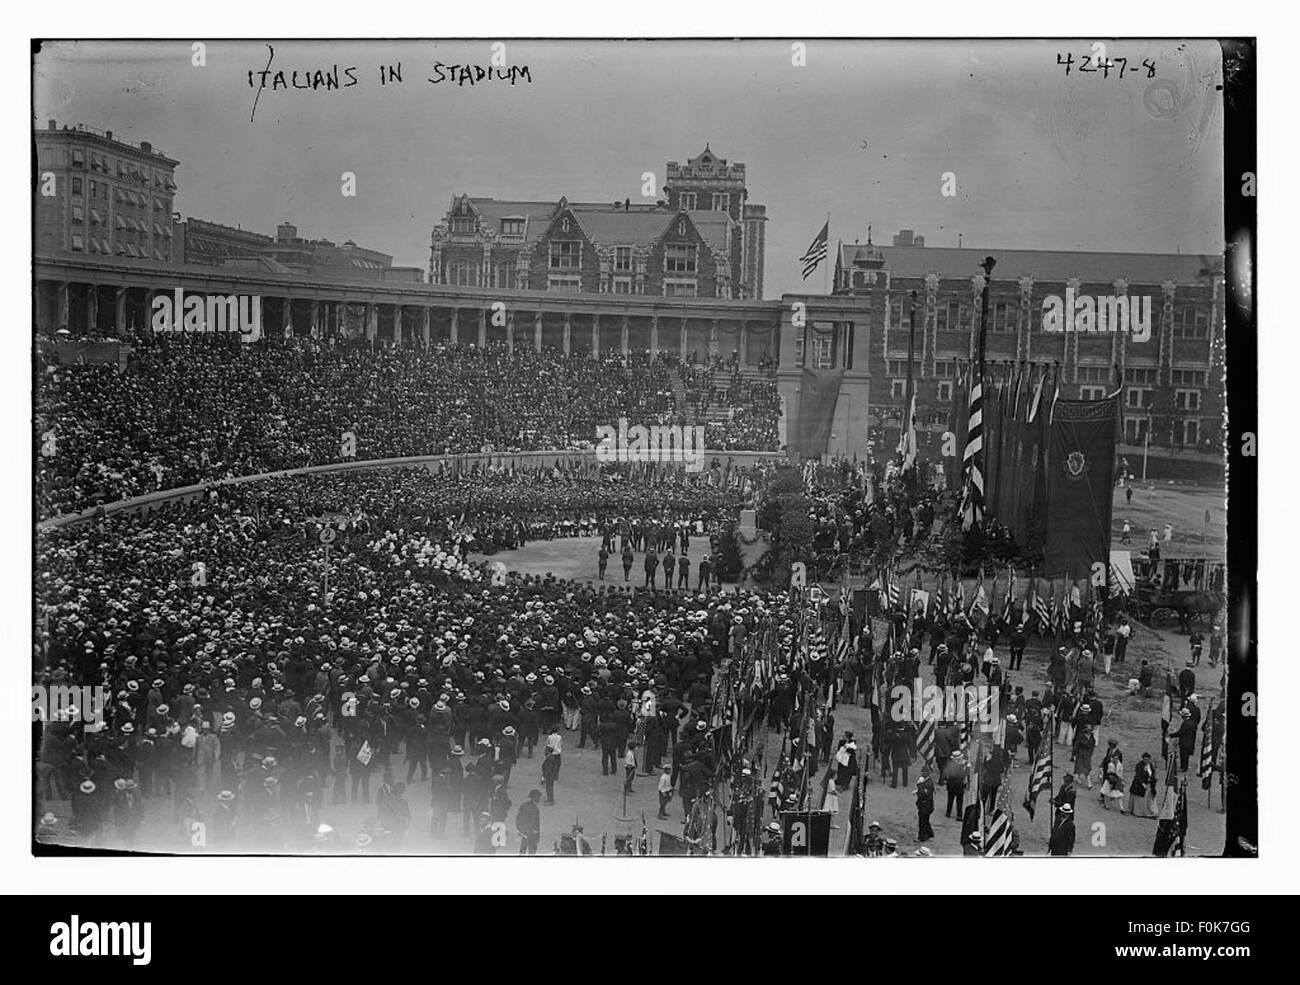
(1080, 477)
(819, 389)
(805, 833)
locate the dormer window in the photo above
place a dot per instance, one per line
(512, 227)
(463, 224)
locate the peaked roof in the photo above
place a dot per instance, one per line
(637, 225)
(1049, 265)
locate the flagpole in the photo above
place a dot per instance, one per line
(826, 271)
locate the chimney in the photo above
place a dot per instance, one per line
(51, 125)
(108, 134)
(146, 146)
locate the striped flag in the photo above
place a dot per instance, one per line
(816, 253)
(1009, 605)
(1208, 752)
(1040, 777)
(981, 600)
(925, 740)
(892, 583)
(1041, 612)
(956, 602)
(972, 497)
(1001, 825)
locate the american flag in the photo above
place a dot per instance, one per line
(956, 603)
(1009, 605)
(1040, 777)
(1001, 825)
(891, 581)
(1041, 612)
(1206, 772)
(816, 253)
(981, 600)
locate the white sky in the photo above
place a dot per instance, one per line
(1042, 160)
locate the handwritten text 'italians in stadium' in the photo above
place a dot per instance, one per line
(334, 77)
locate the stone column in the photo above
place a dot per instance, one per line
(92, 309)
(397, 324)
(286, 319)
(568, 329)
(426, 312)
(713, 338)
(681, 343)
(1119, 338)
(455, 326)
(119, 312)
(482, 327)
(743, 344)
(61, 305)
(372, 321)
(654, 336)
(1070, 361)
(595, 336)
(1025, 333)
(314, 329)
(510, 332)
(537, 332)
(624, 340)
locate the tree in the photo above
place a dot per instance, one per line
(730, 560)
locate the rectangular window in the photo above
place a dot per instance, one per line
(1092, 392)
(1138, 397)
(512, 227)
(897, 389)
(1001, 317)
(679, 289)
(623, 259)
(679, 258)
(822, 350)
(463, 224)
(78, 158)
(622, 285)
(504, 274)
(687, 200)
(566, 254)
(1187, 399)
(721, 202)
(943, 369)
(563, 285)
(950, 317)
(78, 214)
(77, 242)
(462, 274)
(1201, 324)
(1191, 432)
(798, 350)
(1135, 429)
(945, 390)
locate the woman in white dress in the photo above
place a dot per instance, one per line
(832, 803)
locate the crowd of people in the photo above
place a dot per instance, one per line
(243, 691)
(189, 411)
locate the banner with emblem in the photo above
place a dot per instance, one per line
(1080, 475)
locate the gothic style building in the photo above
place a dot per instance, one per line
(1173, 377)
(703, 240)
